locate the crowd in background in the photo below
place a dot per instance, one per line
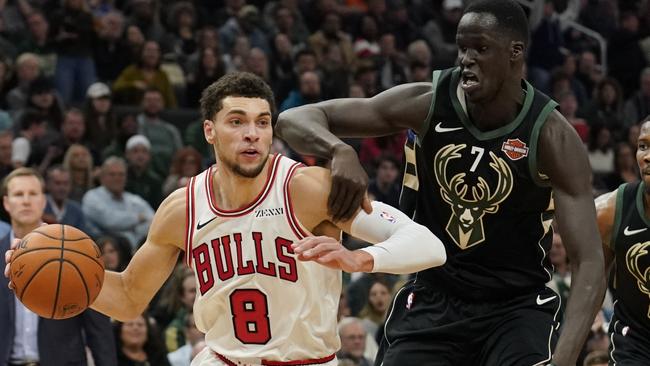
(101, 97)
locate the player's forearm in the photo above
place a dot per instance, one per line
(307, 131)
(114, 299)
(587, 292)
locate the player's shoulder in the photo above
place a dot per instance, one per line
(170, 215)
(606, 212)
(310, 179)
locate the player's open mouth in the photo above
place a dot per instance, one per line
(250, 153)
(469, 81)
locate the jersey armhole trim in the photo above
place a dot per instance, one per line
(189, 220)
(618, 216)
(298, 229)
(435, 78)
(534, 139)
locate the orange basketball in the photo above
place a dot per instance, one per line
(57, 271)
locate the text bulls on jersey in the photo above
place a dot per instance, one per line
(222, 258)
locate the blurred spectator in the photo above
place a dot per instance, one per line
(38, 42)
(134, 41)
(568, 108)
(385, 186)
(569, 68)
(25, 150)
(371, 148)
(72, 32)
(626, 169)
(209, 70)
(143, 15)
(359, 289)
(284, 22)
(101, 121)
(11, 16)
(599, 16)
(60, 209)
(331, 33)
(6, 141)
(183, 355)
(246, 23)
(335, 78)
(74, 131)
(186, 164)
(282, 65)
(353, 342)
(367, 42)
(544, 53)
(28, 68)
(109, 209)
(6, 73)
(79, 162)
(309, 92)
(42, 97)
(182, 22)
(631, 137)
(138, 343)
(637, 107)
(441, 33)
(229, 9)
(419, 72)
(601, 153)
(116, 252)
(145, 74)
(597, 339)
(127, 127)
(110, 50)
(304, 60)
(374, 312)
(390, 63)
(418, 51)
(589, 72)
(141, 179)
(606, 108)
(343, 309)
(257, 62)
(207, 38)
(401, 25)
(164, 137)
(624, 55)
(175, 305)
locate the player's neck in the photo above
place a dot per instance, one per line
(232, 191)
(21, 230)
(498, 112)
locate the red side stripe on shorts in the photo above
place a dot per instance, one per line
(189, 220)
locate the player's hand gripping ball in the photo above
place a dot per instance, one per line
(57, 271)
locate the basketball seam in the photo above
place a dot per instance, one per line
(55, 238)
(83, 280)
(58, 282)
(34, 275)
(51, 248)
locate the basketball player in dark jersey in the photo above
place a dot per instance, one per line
(490, 162)
(624, 223)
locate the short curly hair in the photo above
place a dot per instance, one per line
(236, 84)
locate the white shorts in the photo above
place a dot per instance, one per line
(208, 358)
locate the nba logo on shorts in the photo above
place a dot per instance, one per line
(409, 300)
(388, 217)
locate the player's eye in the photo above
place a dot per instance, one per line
(482, 49)
(263, 123)
(235, 122)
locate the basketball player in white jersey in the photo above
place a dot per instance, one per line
(238, 223)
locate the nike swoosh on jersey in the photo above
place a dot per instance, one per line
(200, 226)
(541, 301)
(441, 129)
(628, 232)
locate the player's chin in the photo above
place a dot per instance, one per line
(646, 178)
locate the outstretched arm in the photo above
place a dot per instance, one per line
(392, 232)
(564, 160)
(125, 295)
(313, 129)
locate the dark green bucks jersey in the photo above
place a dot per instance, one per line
(631, 244)
(481, 194)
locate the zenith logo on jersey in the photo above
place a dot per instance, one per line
(268, 212)
(222, 258)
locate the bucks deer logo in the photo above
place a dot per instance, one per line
(465, 225)
(640, 271)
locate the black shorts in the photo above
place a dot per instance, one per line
(428, 327)
(629, 343)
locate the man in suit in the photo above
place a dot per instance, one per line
(59, 208)
(27, 339)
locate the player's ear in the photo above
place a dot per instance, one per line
(208, 131)
(516, 51)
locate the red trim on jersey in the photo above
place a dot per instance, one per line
(209, 184)
(290, 215)
(313, 361)
(189, 220)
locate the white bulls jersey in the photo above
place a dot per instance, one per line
(254, 298)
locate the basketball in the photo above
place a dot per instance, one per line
(57, 271)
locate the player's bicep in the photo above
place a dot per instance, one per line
(392, 111)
